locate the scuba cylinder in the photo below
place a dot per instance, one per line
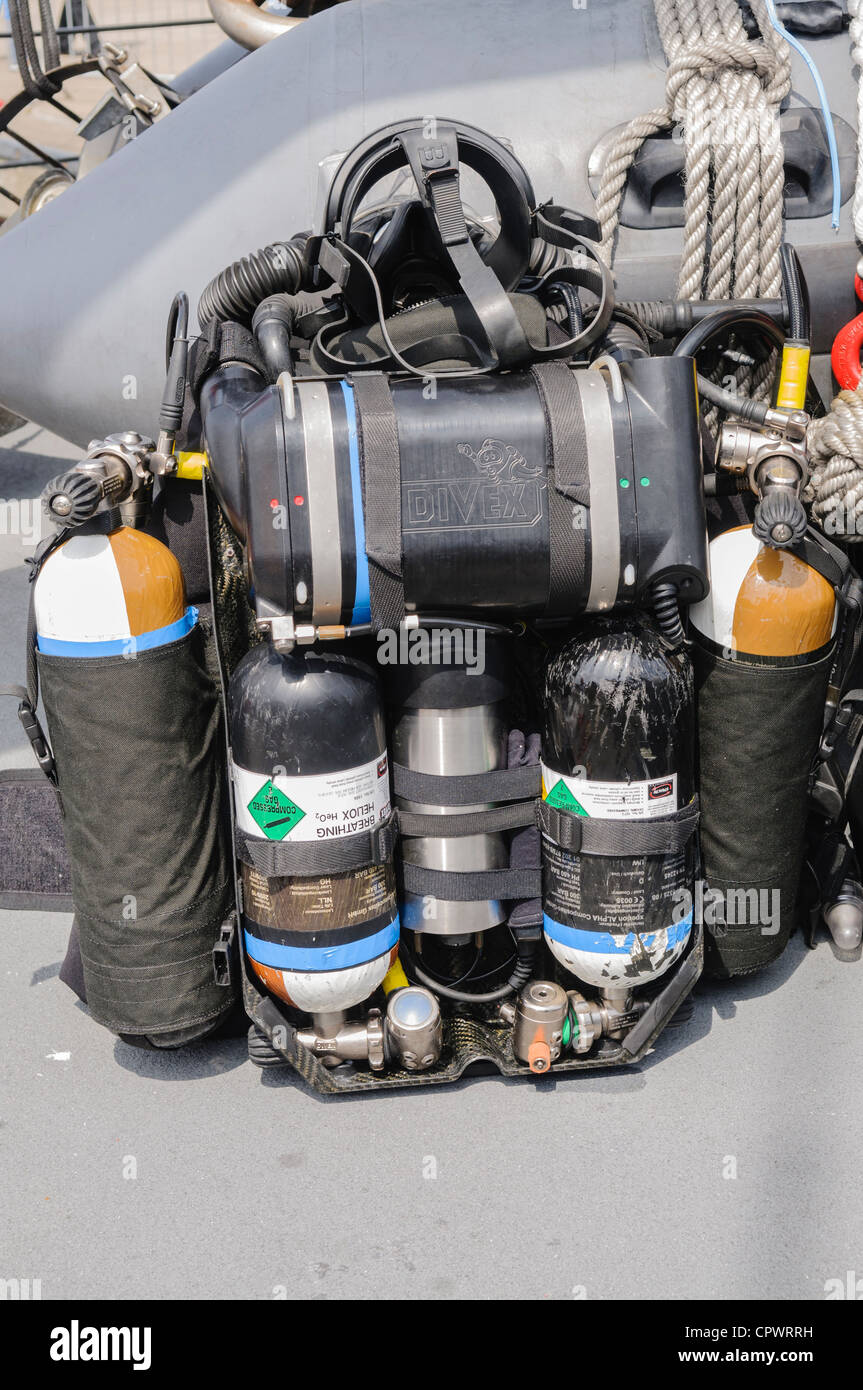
(135, 727)
(762, 652)
(104, 592)
(618, 809)
(312, 809)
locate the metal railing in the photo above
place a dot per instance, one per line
(167, 40)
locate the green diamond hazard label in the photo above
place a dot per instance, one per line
(563, 800)
(274, 812)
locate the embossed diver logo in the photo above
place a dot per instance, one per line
(506, 490)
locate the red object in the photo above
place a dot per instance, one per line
(845, 357)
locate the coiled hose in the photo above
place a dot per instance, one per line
(236, 291)
(663, 597)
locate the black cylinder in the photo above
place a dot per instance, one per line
(310, 771)
(618, 746)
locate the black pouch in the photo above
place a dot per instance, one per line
(758, 732)
(138, 749)
(34, 866)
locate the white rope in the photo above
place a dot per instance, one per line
(725, 90)
(835, 488)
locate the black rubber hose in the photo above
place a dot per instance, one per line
(725, 320)
(461, 996)
(235, 293)
(22, 54)
(50, 39)
(796, 294)
(545, 257)
(429, 621)
(526, 949)
(656, 314)
(568, 295)
(174, 394)
(273, 325)
(623, 342)
(44, 86)
(743, 406)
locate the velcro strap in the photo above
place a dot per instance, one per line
(565, 415)
(618, 838)
(382, 497)
(307, 859)
(474, 886)
(490, 822)
(429, 789)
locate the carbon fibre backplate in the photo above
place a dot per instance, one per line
(468, 1041)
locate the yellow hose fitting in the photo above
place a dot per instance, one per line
(793, 377)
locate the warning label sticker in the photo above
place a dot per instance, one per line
(563, 800)
(611, 800)
(326, 806)
(275, 813)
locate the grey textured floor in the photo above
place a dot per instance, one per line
(246, 1186)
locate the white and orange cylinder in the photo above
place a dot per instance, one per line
(110, 594)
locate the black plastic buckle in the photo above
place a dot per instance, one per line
(435, 167)
(38, 742)
(224, 952)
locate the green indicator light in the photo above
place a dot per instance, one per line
(624, 482)
(645, 482)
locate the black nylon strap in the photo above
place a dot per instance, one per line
(382, 498)
(447, 827)
(472, 887)
(308, 859)
(565, 415)
(428, 789)
(618, 838)
(825, 557)
(435, 167)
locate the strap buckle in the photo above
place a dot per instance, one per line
(38, 742)
(435, 166)
(224, 952)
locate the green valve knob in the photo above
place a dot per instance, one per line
(570, 1029)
